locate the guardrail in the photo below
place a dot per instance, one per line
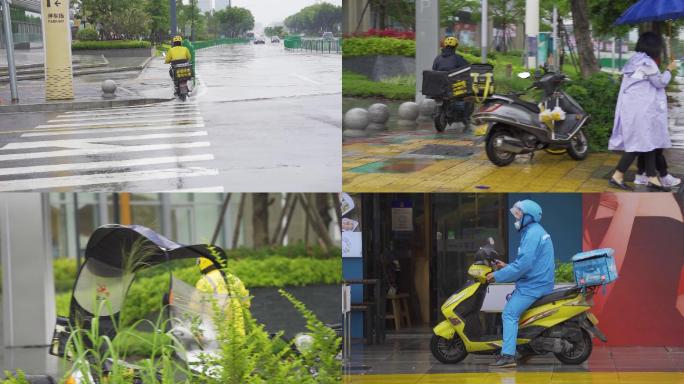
(312, 45)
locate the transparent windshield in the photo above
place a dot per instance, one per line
(101, 288)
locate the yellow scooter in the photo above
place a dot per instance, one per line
(559, 322)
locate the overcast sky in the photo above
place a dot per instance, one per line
(268, 11)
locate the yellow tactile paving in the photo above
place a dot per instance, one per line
(523, 378)
(544, 173)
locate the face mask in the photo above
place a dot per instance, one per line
(518, 224)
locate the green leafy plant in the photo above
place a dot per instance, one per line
(564, 273)
(18, 378)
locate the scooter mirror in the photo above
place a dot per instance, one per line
(524, 75)
(164, 55)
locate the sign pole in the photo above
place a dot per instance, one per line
(59, 76)
(9, 46)
(172, 13)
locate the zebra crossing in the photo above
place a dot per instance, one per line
(158, 147)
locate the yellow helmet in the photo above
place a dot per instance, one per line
(204, 263)
(177, 39)
(451, 41)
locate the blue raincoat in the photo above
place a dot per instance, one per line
(532, 271)
(641, 111)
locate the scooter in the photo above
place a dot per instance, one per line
(516, 126)
(559, 322)
(182, 74)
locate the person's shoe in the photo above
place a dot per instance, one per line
(657, 188)
(619, 185)
(504, 361)
(641, 179)
(670, 181)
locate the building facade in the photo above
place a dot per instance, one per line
(188, 218)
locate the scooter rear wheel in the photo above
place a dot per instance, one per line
(448, 351)
(580, 353)
(499, 158)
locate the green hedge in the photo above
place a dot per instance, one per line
(356, 85)
(114, 44)
(146, 292)
(388, 46)
(598, 96)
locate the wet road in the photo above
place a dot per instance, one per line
(276, 117)
(261, 119)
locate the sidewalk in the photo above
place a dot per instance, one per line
(134, 86)
(407, 359)
(422, 160)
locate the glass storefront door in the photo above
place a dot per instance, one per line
(461, 224)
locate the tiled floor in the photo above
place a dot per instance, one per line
(407, 359)
(423, 161)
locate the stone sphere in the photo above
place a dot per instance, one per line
(109, 87)
(408, 111)
(356, 118)
(427, 107)
(378, 113)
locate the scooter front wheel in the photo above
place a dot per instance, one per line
(580, 353)
(496, 156)
(441, 121)
(448, 351)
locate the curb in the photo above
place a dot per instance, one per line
(78, 105)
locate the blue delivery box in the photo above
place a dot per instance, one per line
(594, 268)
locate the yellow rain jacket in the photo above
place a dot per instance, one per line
(213, 282)
(178, 53)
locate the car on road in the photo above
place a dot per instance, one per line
(275, 39)
(328, 36)
(259, 40)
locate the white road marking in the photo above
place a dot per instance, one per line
(105, 178)
(196, 190)
(166, 110)
(104, 136)
(127, 117)
(306, 79)
(61, 131)
(85, 143)
(133, 108)
(145, 122)
(95, 152)
(103, 164)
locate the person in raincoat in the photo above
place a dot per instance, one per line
(450, 60)
(532, 271)
(640, 126)
(213, 281)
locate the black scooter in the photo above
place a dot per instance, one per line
(516, 126)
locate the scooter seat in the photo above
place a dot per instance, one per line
(555, 295)
(532, 107)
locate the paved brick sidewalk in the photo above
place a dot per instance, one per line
(425, 161)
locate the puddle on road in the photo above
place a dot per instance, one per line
(401, 165)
